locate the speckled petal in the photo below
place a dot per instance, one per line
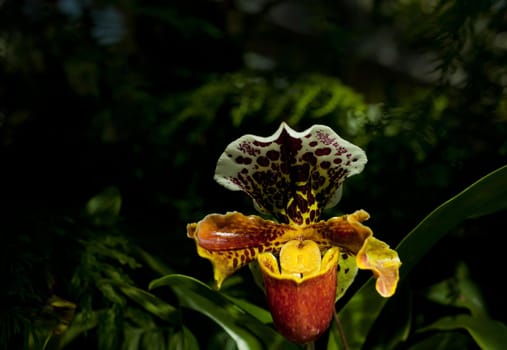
(291, 175)
(233, 240)
(348, 233)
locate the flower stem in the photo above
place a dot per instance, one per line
(310, 346)
(342, 333)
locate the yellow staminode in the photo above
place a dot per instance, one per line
(300, 258)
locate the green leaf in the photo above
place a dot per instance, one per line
(220, 340)
(81, 323)
(459, 291)
(153, 262)
(153, 340)
(183, 340)
(258, 312)
(443, 341)
(486, 196)
(103, 209)
(246, 330)
(152, 304)
(132, 338)
(398, 316)
(488, 334)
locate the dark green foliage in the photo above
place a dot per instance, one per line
(113, 114)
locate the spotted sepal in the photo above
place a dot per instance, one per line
(291, 175)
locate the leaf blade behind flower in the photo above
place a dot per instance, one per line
(248, 332)
(486, 196)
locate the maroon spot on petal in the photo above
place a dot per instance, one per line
(309, 158)
(247, 148)
(340, 150)
(313, 143)
(295, 144)
(262, 161)
(312, 215)
(261, 144)
(337, 160)
(302, 203)
(311, 198)
(323, 151)
(325, 164)
(284, 167)
(318, 181)
(294, 213)
(273, 155)
(324, 137)
(300, 173)
(243, 160)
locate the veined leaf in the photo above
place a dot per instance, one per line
(486, 196)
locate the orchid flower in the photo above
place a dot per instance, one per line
(306, 263)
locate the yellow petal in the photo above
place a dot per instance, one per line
(384, 262)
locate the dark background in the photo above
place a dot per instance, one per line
(143, 96)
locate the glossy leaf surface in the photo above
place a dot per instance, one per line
(248, 332)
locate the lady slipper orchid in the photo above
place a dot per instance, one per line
(306, 264)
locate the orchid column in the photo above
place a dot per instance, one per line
(306, 263)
